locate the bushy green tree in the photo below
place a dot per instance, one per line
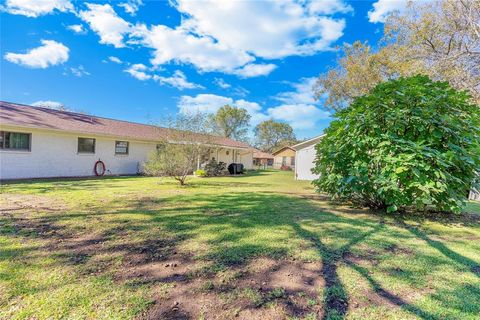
(231, 122)
(410, 143)
(271, 135)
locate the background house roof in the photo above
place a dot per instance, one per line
(261, 155)
(280, 150)
(308, 142)
(44, 118)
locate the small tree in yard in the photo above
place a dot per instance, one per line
(410, 143)
(183, 143)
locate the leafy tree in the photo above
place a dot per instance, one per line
(358, 71)
(183, 143)
(271, 135)
(231, 122)
(440, 39)
(409, 143)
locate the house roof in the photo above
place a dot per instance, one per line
(261, 155)
(308, 142)
(25, 116)
(280, 150)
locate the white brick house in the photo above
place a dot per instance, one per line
(40, 142)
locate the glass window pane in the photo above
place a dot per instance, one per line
(121, 147)
(15, 140)
(86, 145)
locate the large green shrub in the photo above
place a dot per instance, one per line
(214, 168)
(410, 143)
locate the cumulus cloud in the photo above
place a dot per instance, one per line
(106, 23)
(251, 107)
(299, 116)
(177, 80)
(207, 103)
(138, 71)
(268, 29)
(77, 28)
(115, 59)
(35, 8)
(255, 70)
(383, 8)
(208, 36)
(329, 7)
(177, 45)
(50, 53)
(302, 93)
(131, 7)
(299, 107)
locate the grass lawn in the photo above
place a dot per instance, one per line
(261, 246)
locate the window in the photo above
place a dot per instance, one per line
(15, 140)
(284, 161)
(121, 147)
(292, 161)
(86, 145)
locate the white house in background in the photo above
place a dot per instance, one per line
(40, 142)
(305, 157)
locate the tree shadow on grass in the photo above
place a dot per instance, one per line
(440, 247)
(232, 227)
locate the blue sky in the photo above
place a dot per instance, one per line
(145, 60)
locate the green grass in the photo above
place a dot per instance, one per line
(98, 249)
(473, 207)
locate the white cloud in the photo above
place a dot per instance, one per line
(50, 53)
(255, 70)
(329, 7)
(254, 109)
(138, 71)
(115, 59)
(49, 104)
(35, 8)
(208, 103)
(230, 36)
(299, 116)
(268, 29)
(302, 93)
(106, 23)
(79, 71)
(221, 83)
(177, 45)
(77, 28)
(177, 80)
(131, 7)
(383, 8)
(251, 107)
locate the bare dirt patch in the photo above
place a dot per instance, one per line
(20, 203)
(262, 289)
